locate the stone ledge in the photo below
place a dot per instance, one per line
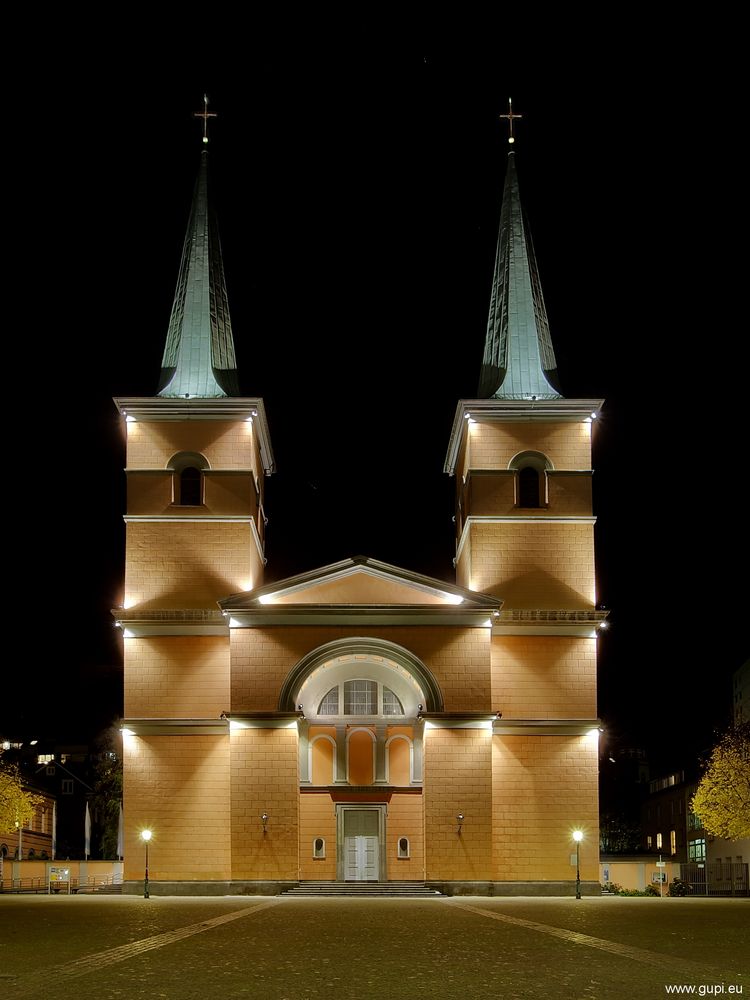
(552, 888)
(248, 887)
(209, 888)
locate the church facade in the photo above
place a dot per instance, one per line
(360, 722)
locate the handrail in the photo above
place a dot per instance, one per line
(39, 883)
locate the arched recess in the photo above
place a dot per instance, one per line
(399, 760)
(187, 482)
(379, 650)
(322, 766)
(360, 756)
(531, 468)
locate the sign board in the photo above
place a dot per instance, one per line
(661, 864)
(57, 878)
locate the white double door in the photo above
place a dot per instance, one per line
(362, 859)
(361, 845)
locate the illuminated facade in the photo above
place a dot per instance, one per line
(360, 723)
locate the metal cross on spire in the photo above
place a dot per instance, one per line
(511, 118)
(206, 114)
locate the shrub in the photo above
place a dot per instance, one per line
(679, 888)
(617, 890)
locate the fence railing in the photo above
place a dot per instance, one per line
(39, 883)
(715, 878)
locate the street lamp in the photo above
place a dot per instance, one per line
(145, 837)
(578, 837)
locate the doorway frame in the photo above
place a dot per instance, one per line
(381, 808)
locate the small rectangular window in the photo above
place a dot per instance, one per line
(360, 698)
(67, 786)
(191, 487)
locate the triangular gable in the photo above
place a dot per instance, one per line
(360, 582)
(360, 587)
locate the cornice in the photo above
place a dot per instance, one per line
(240, 408)
(367, 614)
(545, 727)
(515, 410)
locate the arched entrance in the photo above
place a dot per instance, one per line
(361, 758)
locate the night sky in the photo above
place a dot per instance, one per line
(358, 208)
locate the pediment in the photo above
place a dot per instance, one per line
(360, 582)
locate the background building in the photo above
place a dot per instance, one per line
(741, 694)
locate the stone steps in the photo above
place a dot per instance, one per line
(408, 890)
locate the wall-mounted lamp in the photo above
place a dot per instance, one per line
(223, 716)
(264, 821)
(498, 715)
(460, 821)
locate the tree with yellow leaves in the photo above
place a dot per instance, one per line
(16, 803)
(722, 801)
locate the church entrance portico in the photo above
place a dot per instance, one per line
(361, 854)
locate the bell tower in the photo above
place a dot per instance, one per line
(521, 456)
(197, 457)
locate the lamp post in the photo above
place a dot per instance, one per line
(578, 837)
(145, 837)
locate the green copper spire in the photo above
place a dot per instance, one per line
(519, 362)
(199, 354)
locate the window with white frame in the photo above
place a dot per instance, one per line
(330, 703)
(391, 704)
(361, 697)
(353, 686)
(697, 850)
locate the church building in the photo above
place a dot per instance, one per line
(361, 722)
